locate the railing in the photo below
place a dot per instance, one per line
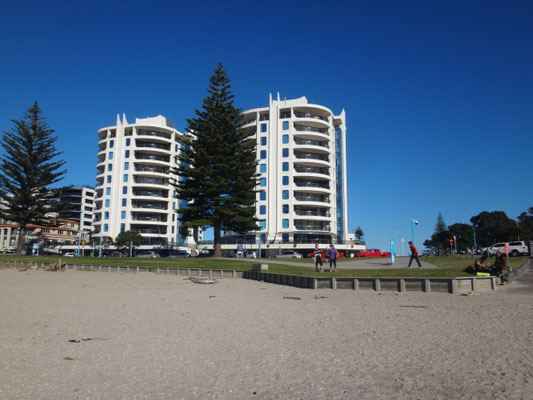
(284, 115)
(312, 213)
(154, 145)
(310, 156)
(317, 198)
(307, 115)
(311, 227)
(300, 128)
(153, 181)
(151, 218)
(323, 171)
(159, 170)
(322, 185)
(311, 142)
(142, 132)
(149, 193)
(152, 206)
(153, 231)
(149, 157)
(264, 117)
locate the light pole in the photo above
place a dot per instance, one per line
(402, 245)
(413, 223)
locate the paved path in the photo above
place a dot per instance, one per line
(365, 263)
(524, 284)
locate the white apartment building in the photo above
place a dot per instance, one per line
(133, 173)
(302, 193)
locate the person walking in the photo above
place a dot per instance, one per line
(332, 258)
(414, 255)
(318, 258)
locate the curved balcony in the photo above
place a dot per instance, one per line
(150, 169)
(150, 193)
(312, 170)
(311, 184)
(311, 198)
(151, 157)
(138, 217)
(140, 180)
(149, 229)
(312, 226)
(153, 206)
(152, 145)
(311, 156)
(308, 142)
(161, 135)
(312, 212)
(300, 114)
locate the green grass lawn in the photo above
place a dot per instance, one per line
(448, 266)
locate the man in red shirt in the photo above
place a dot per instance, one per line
(414, 255)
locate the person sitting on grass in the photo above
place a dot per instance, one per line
(481, 266)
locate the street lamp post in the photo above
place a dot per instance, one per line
(402, 245)
(413, 223)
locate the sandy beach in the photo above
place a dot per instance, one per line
(99, 335)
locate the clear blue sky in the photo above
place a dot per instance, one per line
(438, 94)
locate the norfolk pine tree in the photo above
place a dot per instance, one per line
(218, 168)
(28, 169)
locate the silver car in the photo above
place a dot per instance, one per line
(288, 254)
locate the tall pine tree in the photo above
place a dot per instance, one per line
(218, 168)
(29, 167)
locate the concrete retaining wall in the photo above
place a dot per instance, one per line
(446, 285)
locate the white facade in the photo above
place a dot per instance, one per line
(133, 190)
(79, 206)
(301, 151)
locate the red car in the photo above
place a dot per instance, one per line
(374, 253)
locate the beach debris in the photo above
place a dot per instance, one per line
(413, 306)
(202, 280)
(23, 269)
(84, 340)
(73, 341)
(470, 294)
(68, 358)
(58, 266)
(212, 297)
(320, 297)
(292, 298)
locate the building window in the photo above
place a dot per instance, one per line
(110, 155)
(262, 168)
(124, 190)
(285, 125)
(285, 166)
(263, 141)
(263, 128)
(285, 195)
(125, 178)
(108, 178)
(285, 152)
(122, 227)
(123, 215)
(128, 141)
(285, 139)
(107, 191)
(124, 202)
(285, 180)
(106, 227)
(285, 223)
(262, 182)
(262, 195)
(109, 167)
(126, 166)
(262, 210)
(111, 144)
(127, 154)
(262, 224)
(106, 215)
(172, 230)
(285, 208)
(107, 203)
(263, 154)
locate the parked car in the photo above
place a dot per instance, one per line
(251, 254)
(179, 254)
(514, 248)
(374, 253)
(9, 251)
(115, 254)
(148, 254)
(69, 254)
(288, 254)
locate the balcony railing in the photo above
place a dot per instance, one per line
(151, 218)
(309, 156)
(154, 145)
(322, 185)
(142, 132)
(311, 142)
(264, 117)
(143, 168)
(152, 157)
(150, 205)
(311, 197)
(313, 170)
(150, 193)
(307, 115)
(311, 227)
(312, 213)
(151, 181)
(300, 128)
